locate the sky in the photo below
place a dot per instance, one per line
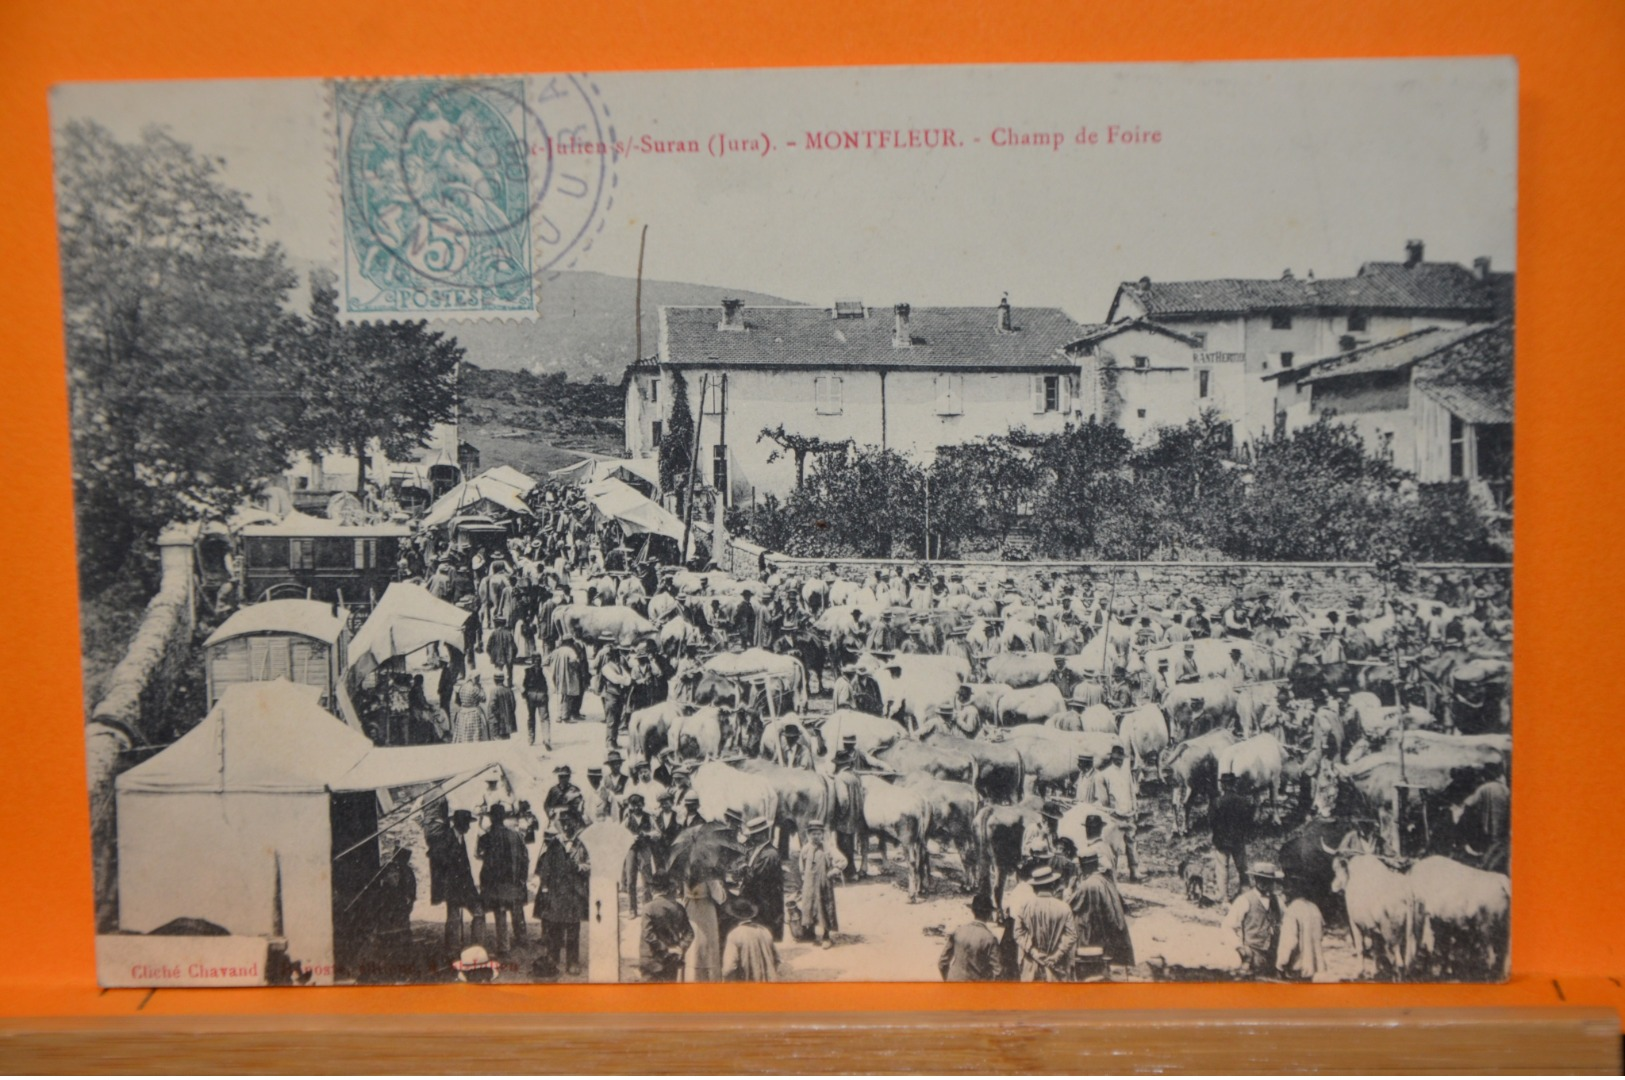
(1259, 168)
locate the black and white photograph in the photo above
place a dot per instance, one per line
(1018, 523)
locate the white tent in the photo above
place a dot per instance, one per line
(406, 618)
(578, 473)
(232, 822)
(507, 474)
(591, 470)
(636, 514)
(467, 496)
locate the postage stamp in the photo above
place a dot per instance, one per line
(456, 193)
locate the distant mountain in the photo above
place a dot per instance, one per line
(584, 325)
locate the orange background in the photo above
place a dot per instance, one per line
(1569, 878)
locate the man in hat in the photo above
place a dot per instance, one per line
(504, 868)
(640, 857)
(451, 875)
(561, 899)
(501, 648)
(666, 936)
(841, 689)
(1237, 670)
(1298, 953)
(1255, 919)
(1097, 908)
(1238, 621)
(846, 816)
(748, 955)
(1064, 678)
(1177, 632)
(792, 750)
(761, 878)
(972, 951)
(1119, 793)
(691, 811)
(1046, 934)
(1331, 646)
(1105, 844)
(816, 901)
(615, 685)
(1485, 816)
(604, 803)
(1198, 623)
(534, 687)
(1185, 669)
(503, 709)
(614, 778)
(1231, 817)
(474, 965)
(566, 681)
(564, 799)
(666, 825)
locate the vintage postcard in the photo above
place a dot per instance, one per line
(1041, 523)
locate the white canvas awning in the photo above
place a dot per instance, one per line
(308, 618)
(507, 474)
(634, 513)
(406, 618)
(469, 494)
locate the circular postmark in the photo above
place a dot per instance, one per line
(458, 193)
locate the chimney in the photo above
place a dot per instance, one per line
(1145, 282)
(900, 338)
(1004, 314)
(1481, 268)
(1413, 253)
(1286, 275)
(732, 315)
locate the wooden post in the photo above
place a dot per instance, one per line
(607, 843)
(693, 460)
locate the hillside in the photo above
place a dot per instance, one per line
(584, 325)
(538, 423)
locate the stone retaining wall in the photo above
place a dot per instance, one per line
(137, 691)
(1331, 585)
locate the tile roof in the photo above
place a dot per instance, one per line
(810, 337)
(1379, 286)
(1089, 333)
(1395, 354)
(1472, 377)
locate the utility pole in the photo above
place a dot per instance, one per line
(693, 461)
(637, 299)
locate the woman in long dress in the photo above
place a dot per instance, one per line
(468, 723)
(704, 961)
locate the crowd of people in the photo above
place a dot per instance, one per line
(717, 896)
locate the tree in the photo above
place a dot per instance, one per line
(868, 503)
(1085, 486)
(677, 443)
(174, 309)
(1186, 488)
(387, 383)
(800, 446)
(980, 491)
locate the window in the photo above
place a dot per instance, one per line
(1458, 448)
(950, 395)
(655, 430)
(654, 389)
(1200, 337)
(1280, 321)
(1202, 383)
(1356, 321)
(302, 554)
(719, 467)
(1051, 393)
(366, 554)
(827, 395)
(1140, 413)
(1142, 362)
(1286, 359)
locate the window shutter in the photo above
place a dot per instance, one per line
(1065, 394)
(1037, 387)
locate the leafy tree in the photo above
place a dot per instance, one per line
(1084, 485)
(1317, 494)
(800, 446)
(980, 491)
(677, 442)
(1186, 488)
(383, 383)
(173, 309)
(868, 503)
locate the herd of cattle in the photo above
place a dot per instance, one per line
(964, 736)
